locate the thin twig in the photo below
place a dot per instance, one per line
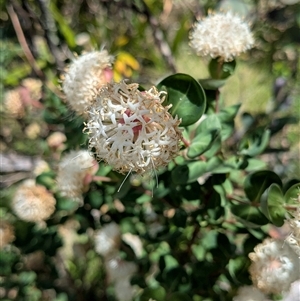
(22, 40)
(48, 24)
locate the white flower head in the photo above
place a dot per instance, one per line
(222, 35)
(85, 76)
(74, 174)
(107, 239)
(274, 266)
(131, 130)
(33, 202)
(249, 293)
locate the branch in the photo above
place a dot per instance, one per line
(22, 40)
(48, 24)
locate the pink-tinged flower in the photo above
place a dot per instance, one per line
(222, 35)
(84, 77)
(274, 266)
(131, 130)
(32, 202)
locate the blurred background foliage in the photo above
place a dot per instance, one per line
(149, 40)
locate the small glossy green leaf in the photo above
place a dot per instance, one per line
(210, 124)
(255, 164)
(229, 113)
(186, 96)
(255, 144)
(292, 194)
(249, 215)
(201, 144)
(221, 70)
(212, 84)
(271, 206)
(256, 183)
(188, 173)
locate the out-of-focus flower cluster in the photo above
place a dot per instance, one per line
(221, 35)
(85, 75)
(32, 202)
(119, 271)
(75, 172)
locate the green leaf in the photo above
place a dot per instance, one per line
(292, 194)
(221, 70)
(209, 124)
(229, 113)
(255, 164)
(158, 294)
(271, 206)
(212, 84)
(65, 29)
(188, 173)
(186, 96)
(255, 144)
(201, 144)
(256, 183)
(249, 215)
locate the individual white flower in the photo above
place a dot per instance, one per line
(33, 202)
(131, 130)
(249, 293)
(6, 233)
(107, 239)
(75, 171)
(274, 266)
(222, 35)
(85, 76)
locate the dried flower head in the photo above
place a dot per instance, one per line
(249, 293)
(274, 266)
(221, 35)
(13, 104)
(131, 130)
(85, 76)
(6, 233)
(294, 222)
(107, 239)
(33, 202)
(75, 173)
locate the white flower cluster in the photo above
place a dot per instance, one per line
(131, 130)
(33, 202)
(74, 174)
(274, 266)
(85, 76)
(222, 35)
